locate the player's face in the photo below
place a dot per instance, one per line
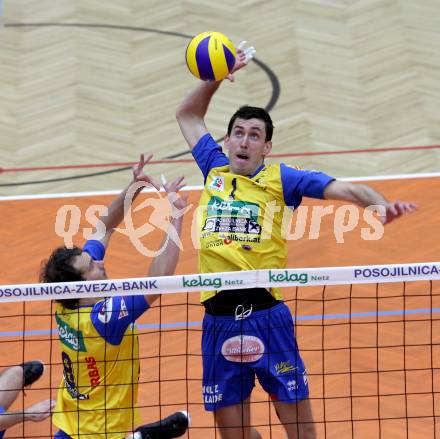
(247, 146)
(89, 269)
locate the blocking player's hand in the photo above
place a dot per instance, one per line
(39, 411)
(244, 56)
(396, 209)
(139, 174)
(178, 202)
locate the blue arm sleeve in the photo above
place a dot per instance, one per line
(95, 249)
(111, 317)
(208, 154)
(298, 183)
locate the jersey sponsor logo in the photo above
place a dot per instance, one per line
(243, 349)
(93, 371)
(105, 313)
(218, 243)
(69, 378)
(211, 394)
(228, 224)
(217, 206)
(232, 217)
(233, 237)
(284, 367)
(217, 184)
(292, 385)
(123, 312)
(209, 224)
(69, 336)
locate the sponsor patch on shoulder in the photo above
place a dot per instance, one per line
(217, 183)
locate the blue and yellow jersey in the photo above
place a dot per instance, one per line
(241, 217)
(99, 349)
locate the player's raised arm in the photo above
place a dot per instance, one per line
(191, 112)
(117, 209)
(365, 196)
(164, 264)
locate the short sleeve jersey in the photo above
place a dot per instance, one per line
(99, 349)
(241, 217)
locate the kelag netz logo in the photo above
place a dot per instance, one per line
(200, 281)
(285, 276)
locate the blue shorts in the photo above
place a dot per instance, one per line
(263, 344)
(2, 433)
(61, 435)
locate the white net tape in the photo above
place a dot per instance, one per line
(224, 281)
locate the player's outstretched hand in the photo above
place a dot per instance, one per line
(139, 174)
(39, 411)
(244, 55)
(178, 202)
(396, 209)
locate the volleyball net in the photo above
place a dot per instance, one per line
(369, 337)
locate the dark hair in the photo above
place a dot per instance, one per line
(58, 268)
(246, 112)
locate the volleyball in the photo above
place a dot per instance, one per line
(210, 56)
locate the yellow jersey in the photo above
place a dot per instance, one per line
(242, 219)
(98, 395)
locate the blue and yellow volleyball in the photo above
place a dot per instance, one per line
(210, 56)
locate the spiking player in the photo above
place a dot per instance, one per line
(238, 190)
